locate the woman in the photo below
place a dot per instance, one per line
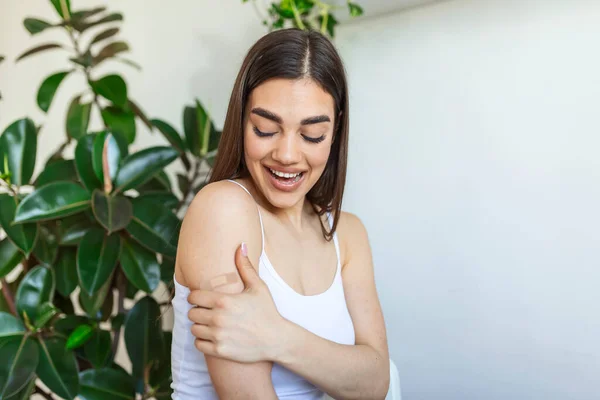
(305, 319)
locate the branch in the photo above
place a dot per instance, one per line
(121, 288)
(40, 391)
(10, 300)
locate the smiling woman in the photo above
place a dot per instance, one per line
(304, 320)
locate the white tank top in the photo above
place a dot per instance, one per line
(324, 314)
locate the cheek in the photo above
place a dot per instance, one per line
(318, 159)
(255, 149)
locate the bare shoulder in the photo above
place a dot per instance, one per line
(352, 237)
(220, 217)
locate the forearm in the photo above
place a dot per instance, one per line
(342, 371)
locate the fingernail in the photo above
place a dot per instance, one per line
(244, 249)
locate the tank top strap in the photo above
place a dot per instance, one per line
(335, 243)
(262, 229)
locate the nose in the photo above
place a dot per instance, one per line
(287, 150)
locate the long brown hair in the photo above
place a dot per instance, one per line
(291, 54)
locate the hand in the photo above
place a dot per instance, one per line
(240, 327)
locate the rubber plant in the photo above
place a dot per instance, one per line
(93, 233)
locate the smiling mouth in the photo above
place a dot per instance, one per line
(284, 176)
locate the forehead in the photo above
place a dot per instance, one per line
(292, 97)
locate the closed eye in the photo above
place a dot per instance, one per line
(261, 133)
(314, 140)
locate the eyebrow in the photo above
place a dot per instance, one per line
(276, 118)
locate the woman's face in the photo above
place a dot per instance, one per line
(287, 138)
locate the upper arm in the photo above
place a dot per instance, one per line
(220, 217)
(359, 284)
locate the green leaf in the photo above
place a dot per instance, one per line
(140, 266)
(105, 383)
(139, 167)
(140, 114)
(18, 144)
(34, 25)
(82, 26)
(10, 257)
(36, 288)
(113, 88)
(57, 367)
(79, 336)
(78, 118)
(113, 155)
(167, 199)
(64, 304)
(167, 270)
(355, 10)
(83, 14)
(104, 35)
(72, 228)
(62, 7)
(57, 199)
(117, 321)
(98, 349)
(110, 50)
(96, 259)
(19, 361)
(112, 212)
(143, 335)
(38, 49)
(46, 246)
(170, 134)
(25, 393)
(183, 183)
(46, 312)
(68, 324)
(198, 128)
(83, 162)
(10, 327)
(331, 23)
(61, 170)
(120, 121)
(65, 271)
(23, 236)
(154, 226)
(93, 304)
(48, 89)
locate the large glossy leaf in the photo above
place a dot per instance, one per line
(48, 89)
(167, 270)
(143, 335)
(35, 26)
(112, 212)
(105, 383)
(154, 226)
(57, 199)
(140, 266)
(170, 134)
(110, 50)
(36, 288)
(61, 170)
(19, 357)
(57, 367)
(25, 393)
(98, 349)
(139, 167)
(18, 146)
(80, 336)
(78, 118)
(198, 128)
(72, 228)
(83, 162)
(46, 312)
(62, 7)
(10, 257)
(96, 259)
(46, 247)
(121, 121)
(167, 199)
(38, 49)
(23, 235)
(106, 151)
(65, 270)
(69, 323)
(10, 327)
(104, 35)
(113, 88)
(93, 305)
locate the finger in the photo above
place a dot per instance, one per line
(203, 332)
(204, 298)
(200, 315)
(205, 346)
(245, 268)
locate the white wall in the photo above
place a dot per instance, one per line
(475, 166)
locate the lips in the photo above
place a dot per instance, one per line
(285, 181)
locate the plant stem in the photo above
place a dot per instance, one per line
(8, 187)
(297, 16)
(10, 300)
(40, 391)
(121, 288)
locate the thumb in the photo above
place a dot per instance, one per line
(245, 268)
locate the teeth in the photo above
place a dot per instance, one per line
(284, 174)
